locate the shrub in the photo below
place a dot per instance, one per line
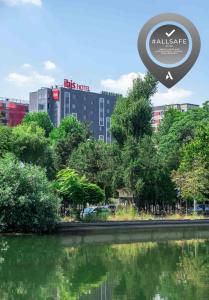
(76, 190)
(27, 203)
(41, 119)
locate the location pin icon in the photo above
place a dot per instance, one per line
(169, 45)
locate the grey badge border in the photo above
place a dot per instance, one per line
(160, 72)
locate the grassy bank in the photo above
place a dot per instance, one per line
(130, 214)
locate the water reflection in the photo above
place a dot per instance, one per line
(40, 268)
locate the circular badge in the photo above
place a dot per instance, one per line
(169, 45)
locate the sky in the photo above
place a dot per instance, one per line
(93, 43)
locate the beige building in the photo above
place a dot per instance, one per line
(158, 111)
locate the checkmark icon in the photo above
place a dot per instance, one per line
(170, 34)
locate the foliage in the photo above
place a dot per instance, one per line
(66, 138)
(29, 142)
(192, 176)
(179, 132)
(76, 190)
(132, 115)
(97, 161)
(69, 126)
(6, 140)
(41, 119)
(144, 174)
(27, 202)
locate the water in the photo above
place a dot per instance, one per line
(55, 267)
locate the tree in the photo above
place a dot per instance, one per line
(76, 190)
(6, 140)
(171, 116)
(41, 119)
(179, 132)
(144, 173)
(132, 115)
(194, 183)
(66, 138)
(97, 161)
(29, 143)
(192, 176)
(27, 201)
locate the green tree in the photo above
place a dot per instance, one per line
(132, 115)
(29, 143)
(27, 201)
(41, 119)
(192, 176)
(76, 190)
(66, 138)
(144, 173)
(193, 183)
(97, 161)
(6, 140)
(180, 131)
(171, 116)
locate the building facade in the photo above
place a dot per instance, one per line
(73, 99)
(12, 111)
(158, 111)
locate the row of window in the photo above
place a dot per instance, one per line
(108, 133)
(84, 98)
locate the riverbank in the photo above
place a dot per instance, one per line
(81, 234)
(120, 226)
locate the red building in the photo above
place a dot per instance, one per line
(12, 111)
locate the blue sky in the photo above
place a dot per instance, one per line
(92, 42)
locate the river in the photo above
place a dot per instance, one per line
(60, 267)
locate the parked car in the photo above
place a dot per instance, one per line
(111, 207)
(97, 212)
(200, 208)
(207, 209)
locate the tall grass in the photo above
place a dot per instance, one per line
(130, 214)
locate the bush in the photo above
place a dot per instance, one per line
(27, 202)
(76, 190)
(41, 119)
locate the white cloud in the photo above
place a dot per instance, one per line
(171, 96)
(22, 2)
(26, 66)
(33, 79)
(122, 84)
(49, 65)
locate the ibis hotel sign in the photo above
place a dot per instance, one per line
(75, 86)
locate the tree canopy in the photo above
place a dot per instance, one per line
(41, 119)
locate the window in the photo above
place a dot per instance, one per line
(74, 115)
(84, 107)
(84, 98)
(108, 111)
(73, 106)
(41, 107)
(66, 104)
(74, 96)
(100, 128)
(84, 117)
(101, 138)
(108, 101)
(101, 111)
(108, 133)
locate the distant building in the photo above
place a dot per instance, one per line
(76, 100)
(158, 111)
(12, 111)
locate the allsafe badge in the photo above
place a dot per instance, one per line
(169, 45)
